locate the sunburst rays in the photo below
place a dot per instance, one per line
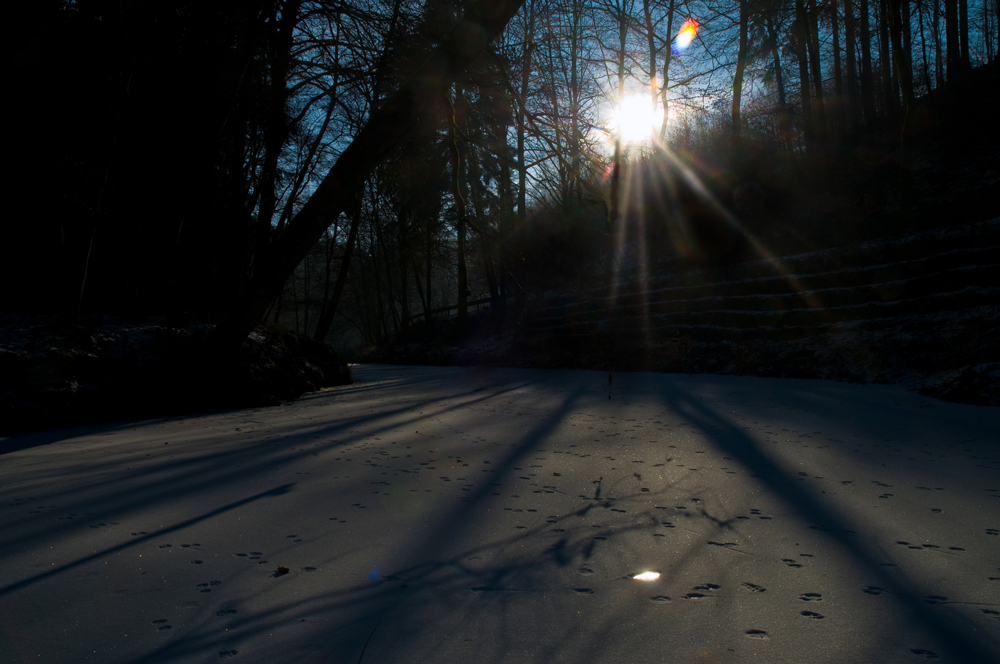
(631, 229)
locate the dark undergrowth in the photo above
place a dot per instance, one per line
(55, 374)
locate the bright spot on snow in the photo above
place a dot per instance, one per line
(686, 35)
(647, 576)
(634, 119)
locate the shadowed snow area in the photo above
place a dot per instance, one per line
(501, 515)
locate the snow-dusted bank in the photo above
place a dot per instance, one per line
(501, 515)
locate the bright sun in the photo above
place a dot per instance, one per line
(635, 119)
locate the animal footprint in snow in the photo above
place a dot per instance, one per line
(162, 627)
(811, 597)
(660, 599)
(707, 586)
(811, 614)
(583, 591)
(585, 570)
(790, 562)
(872, 590)
(935, 599)
(754, 588)
(207, 586)
(756, 633)
(992, 531)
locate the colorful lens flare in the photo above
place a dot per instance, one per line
(686, 35)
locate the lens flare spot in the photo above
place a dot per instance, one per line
(647, 576)
(686, 35)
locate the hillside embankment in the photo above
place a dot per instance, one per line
(921, 309)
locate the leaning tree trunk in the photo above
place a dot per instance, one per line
(386, 126)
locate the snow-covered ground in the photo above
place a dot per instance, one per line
(499, 515)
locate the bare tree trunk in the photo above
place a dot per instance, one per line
(416, 282)
(951, 36)
(996, 35)
(904, 72)
(390, 298)
(850, 36)
(574, 105)
(306, 278)
(963, 38)
(429, 237)
(923, 48)
(838, 74)
(741, 65)
(460, 209)
(487, 238)
(800, 35)
(784, 117)
(651, 45)
(372, 253)
(667, 52)
(867, 79)
(938, 52)
(890, 90)
(402, 247)
(817, 72)
(326, 320)
(615, 185)
(521, 228)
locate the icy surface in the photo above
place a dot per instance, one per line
(500, 515)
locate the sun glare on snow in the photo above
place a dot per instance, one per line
(647, 576)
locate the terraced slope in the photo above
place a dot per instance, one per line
(882, 311)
